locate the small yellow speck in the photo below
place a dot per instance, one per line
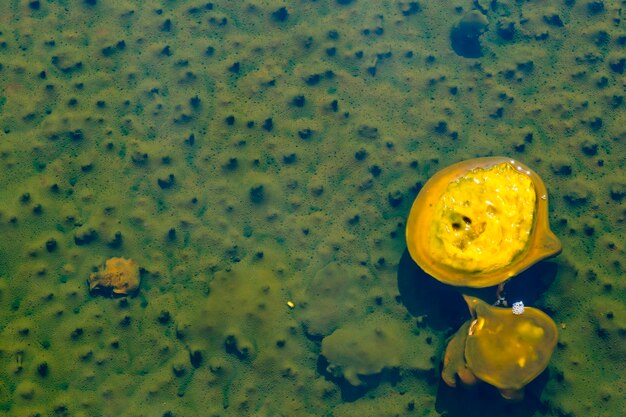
(290, 304)
(563, 326)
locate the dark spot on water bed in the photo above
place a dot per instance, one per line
(280, 15)
(165, 183)
(465, 35)
(257, 194)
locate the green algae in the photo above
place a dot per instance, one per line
(101, 103)
(331, 298)
(369, 347)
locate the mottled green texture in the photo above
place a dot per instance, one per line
(173, 133)
(367, 347)
(331, 298)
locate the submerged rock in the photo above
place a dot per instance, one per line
(120, 276)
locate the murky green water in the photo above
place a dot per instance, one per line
(251, 154)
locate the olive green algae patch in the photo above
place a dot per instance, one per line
(256, 312)
(242, 332)
(380, 342)
(233, 147)
(334, 296)
(389, 404)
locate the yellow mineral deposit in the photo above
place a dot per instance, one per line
(501, 347)
(120, 276)
(479, 222)
(454, 364)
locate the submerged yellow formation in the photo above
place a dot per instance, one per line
(120, 276)
(500, 347)
(480, 222)
(484, 219)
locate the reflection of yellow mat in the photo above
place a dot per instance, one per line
(198, 138)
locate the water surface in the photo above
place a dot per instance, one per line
(247, 154)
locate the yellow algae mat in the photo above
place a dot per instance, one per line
(256, 162)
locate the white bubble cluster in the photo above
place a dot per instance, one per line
(518, 308)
